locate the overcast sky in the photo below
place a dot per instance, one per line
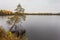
(32, 5)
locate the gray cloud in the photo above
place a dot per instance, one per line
(32, 5)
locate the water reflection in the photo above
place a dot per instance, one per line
(43, 27)
(40, 27)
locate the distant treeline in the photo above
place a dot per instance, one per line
(30, 14)
(7, 13)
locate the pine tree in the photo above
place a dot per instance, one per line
(19, 9)
(17, 19)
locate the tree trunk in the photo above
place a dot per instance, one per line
(12, 26)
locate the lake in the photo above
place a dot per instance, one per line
(39, 27)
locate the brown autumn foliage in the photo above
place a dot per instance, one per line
(6, 12)
(7, 35)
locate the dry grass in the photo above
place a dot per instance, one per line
(9, 36)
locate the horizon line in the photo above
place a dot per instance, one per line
(31, 14)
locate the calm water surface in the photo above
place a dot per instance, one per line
(39, 27)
